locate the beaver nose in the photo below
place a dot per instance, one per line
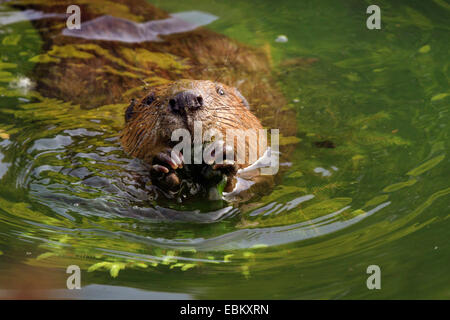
(185, 100)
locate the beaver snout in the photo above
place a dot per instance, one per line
(185, 100)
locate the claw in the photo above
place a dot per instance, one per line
(159, 168)
(180, 155)
(176, 158)
(218, 157)
(163, 157)
(173, 159)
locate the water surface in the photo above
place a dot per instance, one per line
(381, 196)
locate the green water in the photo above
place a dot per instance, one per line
(381, 197)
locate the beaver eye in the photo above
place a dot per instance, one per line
(220, 91)
(148, 100)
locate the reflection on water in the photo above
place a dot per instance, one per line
(10, 17)
(128, 31)
(374, 193)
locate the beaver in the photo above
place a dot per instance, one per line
(92, 73)
(150, 123)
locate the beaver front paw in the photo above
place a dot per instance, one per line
(225, 167)
(163, 169)
(221, 163)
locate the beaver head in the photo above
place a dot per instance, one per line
(183, 104)
(150, 122)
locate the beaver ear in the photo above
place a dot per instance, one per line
(148, 100)
(244, 101)
(130, 110)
